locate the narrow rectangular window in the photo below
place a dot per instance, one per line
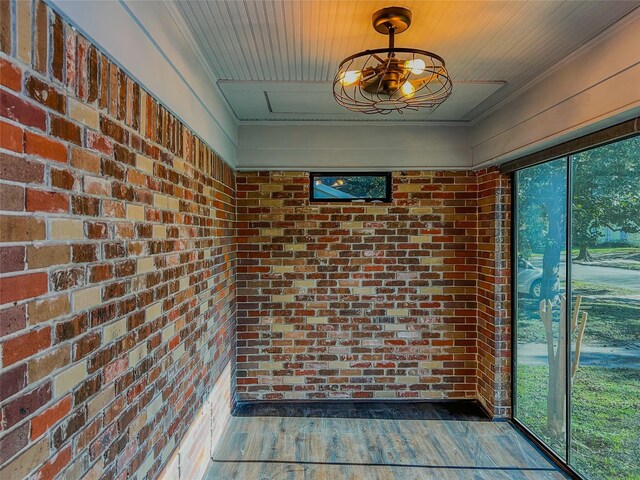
(350, 187)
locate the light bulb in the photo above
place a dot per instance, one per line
(350, 77)
(416, 66)
(407, 89)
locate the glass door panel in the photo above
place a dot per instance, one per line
(605, 280)
(541, 333)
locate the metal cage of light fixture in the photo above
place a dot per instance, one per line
(391, 79)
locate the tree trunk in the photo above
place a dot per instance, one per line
(550, 287)
(550, 269)
(584, 254)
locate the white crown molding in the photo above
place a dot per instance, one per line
(188, 35)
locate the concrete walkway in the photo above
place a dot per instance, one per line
(592, 355)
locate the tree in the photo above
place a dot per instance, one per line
(606, 193)
(361, 186)
(542, 219)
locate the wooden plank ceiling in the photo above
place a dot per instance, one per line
(304, 40)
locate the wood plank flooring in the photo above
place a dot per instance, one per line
(373, 440)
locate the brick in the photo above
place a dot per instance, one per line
(43, 310)
(114, 330)
(65, 130)
(42, 367)
(12, 259)
(21, 287)
(5, 28)
(70, 60)
(17, 169)
(41, 37)
(96, 186)
(52, 202)
(72, 328)
(20, 466)
(73, 423)
(13, 381)
(86, 345)
(87, 298)
(87, 206)
(47, 255)
(99, 143)
(45, 94)
(25, 113)
(21, 229)
(12, 198)
(65, 381)
(99, 273)
(45, 147)
(84, 252)
(135, 212)
(65, 229)
(12, 319)
(85, 160)
(11, 137)
(10, 75)
(25, 405)
(87, 389)
(14, 441)
(24, 31)
(57, 47)
(56, 464)
(101, 400)
(49, 417)
(25, 345)
(67, 278)
(62, 178)
(83, 114)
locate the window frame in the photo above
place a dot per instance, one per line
(388, 176)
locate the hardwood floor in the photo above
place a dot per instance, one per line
(373, 440)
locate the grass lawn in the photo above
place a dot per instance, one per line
(610, 321)
(605, 419)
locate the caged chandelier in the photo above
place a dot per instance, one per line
(391, 79)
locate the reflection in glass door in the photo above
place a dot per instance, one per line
(541, 283)
(577, 311)
(605, 280)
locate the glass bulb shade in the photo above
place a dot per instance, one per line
(416, 66)
(350, 77)
(408, 89)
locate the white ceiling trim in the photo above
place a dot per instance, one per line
(188, 35)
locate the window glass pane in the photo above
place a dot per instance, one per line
(336, 187)
(605, 271)
(540, 402)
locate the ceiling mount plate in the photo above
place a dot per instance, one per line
(398, 18)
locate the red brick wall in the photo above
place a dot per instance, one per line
(357, 301)
(494, 292)
(373, 301)
(117, 285)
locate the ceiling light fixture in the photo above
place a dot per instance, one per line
(391, 79)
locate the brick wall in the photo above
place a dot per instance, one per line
(117, 285)
(494, 292)
(357, 301)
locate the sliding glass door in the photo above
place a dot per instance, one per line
(577, 310)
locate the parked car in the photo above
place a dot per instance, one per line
(529, 278)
